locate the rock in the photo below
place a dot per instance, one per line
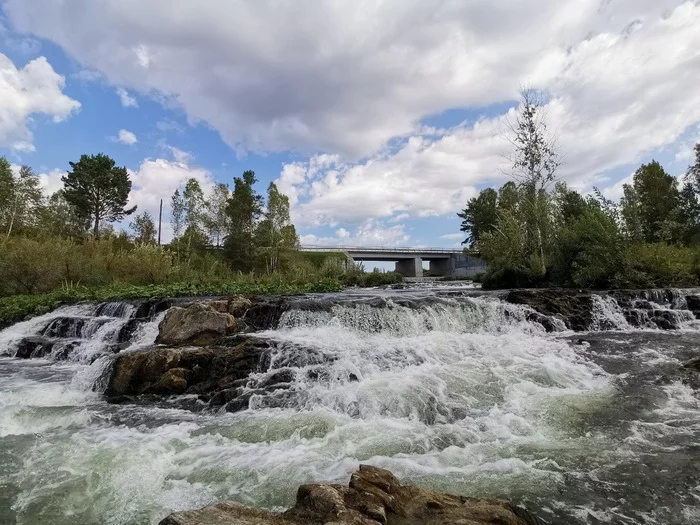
(198, 324)
(374, 497)
(174, 381)
(201, 371)
(692, 364)
(265, 312)
(574, 308)
(693, 302)
(236, 305)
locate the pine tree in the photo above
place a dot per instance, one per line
(98, 189)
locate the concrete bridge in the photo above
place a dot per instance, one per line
(409, 261)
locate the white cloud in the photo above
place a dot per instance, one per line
(370, 233)
(452, 236)
(34, 89)
(347, 77)
(127, 100)
(183, 157)
(126, 137)
(23, 45)
(616, 120)
(51, 181)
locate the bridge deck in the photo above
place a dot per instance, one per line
(365, 253)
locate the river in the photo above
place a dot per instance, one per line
(458, 392)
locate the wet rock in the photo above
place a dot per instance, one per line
(278, 377)
(199, 324)
(200, 371)
(265, 313)
(33, 347)
(174, 381)
(374, 497)
(236, 305)
(693, 302)
(149, 309)
(666, 319)
(574, 308)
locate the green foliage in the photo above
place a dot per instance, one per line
(654, 198)
(243, 209)
(97, 189)
(144, 228)
(563, 239)
(589, 252)
(659, 264)
(479, 217)
(18, 307)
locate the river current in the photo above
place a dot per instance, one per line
(461, 394)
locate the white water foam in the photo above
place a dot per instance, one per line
(12, 335)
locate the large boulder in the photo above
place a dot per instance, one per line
(213, 372)
(374, 497)
(199, 324)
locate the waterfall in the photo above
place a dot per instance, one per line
(82, 333)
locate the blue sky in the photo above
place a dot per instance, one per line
(378, 123)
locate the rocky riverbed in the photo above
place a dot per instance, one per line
(581, 407)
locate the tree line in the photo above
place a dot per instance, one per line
(536, 231)
(252, 232)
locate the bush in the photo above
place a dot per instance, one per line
(659, 264)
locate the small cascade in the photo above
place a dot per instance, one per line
(83, 333)
(607, 314)
(408, 318)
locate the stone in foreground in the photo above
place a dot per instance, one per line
(374, 497)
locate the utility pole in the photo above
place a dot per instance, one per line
(160, 219)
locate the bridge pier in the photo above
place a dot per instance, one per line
(442, 267)
(410, 267)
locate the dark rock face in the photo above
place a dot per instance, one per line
(575, 309)
(265, 312)
(374, 497)
(663, 309)
(217, 374)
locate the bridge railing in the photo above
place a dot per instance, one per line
(378, 249)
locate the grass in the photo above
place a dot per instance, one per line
(16, 308)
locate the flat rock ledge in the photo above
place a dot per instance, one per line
(374, 497)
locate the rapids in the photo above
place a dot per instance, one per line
(449, 390)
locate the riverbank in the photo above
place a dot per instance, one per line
(16, 308)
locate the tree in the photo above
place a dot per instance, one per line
(144, 228)
(276, 231)
(243, 209)
(193, 200)
(177, 213)
(98, 189)
(60, 218)
(656, 199)
(534, 162)
(7, 191)
(26, 200)
(693, 175)
(479, 217)
(217, 222)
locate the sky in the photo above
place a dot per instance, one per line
(379, 119)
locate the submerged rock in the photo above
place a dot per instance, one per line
(374, 496)
(201, 323)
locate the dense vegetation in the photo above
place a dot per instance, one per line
(63, 248)
(535, 231)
